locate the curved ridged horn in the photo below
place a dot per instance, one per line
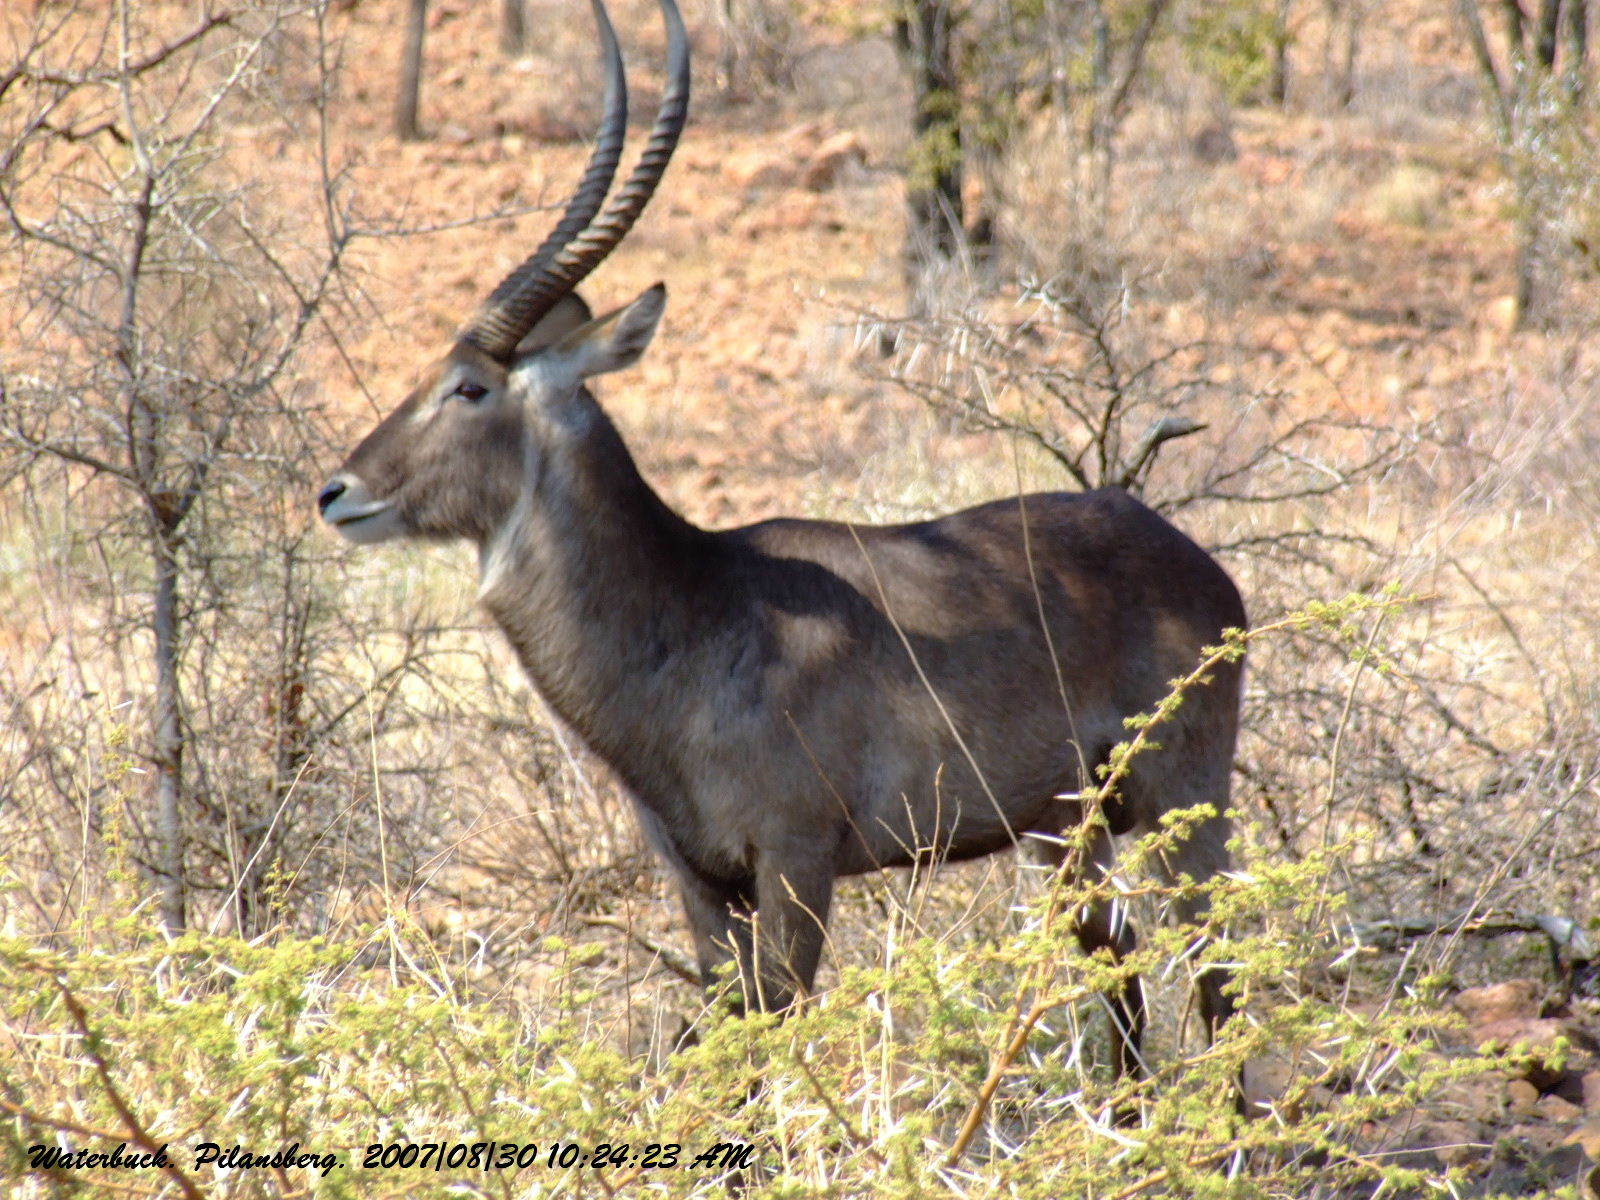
(585, 252)
(508, 313)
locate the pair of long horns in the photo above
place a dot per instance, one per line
(581, 240)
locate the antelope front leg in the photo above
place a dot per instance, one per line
(719, 920)
(794, 887)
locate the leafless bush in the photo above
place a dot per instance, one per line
(1079, 374)
(1048, 89)
(1455, 759)
(188, 691)
(1533, 77)
(759, 46)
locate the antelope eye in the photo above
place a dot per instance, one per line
(472, 391)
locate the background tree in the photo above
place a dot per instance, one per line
(1242, 46)
(1282, 39)
(1341, 46)
(513, 26)
(758, 45)
(1533, 81)
(1052, 83)
(935, 214)
(410, 95)
(163, 309)
(157, 392)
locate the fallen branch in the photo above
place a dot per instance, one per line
(137, 1133)
(674, 960)
(1572, 951)
(1164, 430)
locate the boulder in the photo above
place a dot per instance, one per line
(1535, 1042)
(805, 157)
(1512, 1000)
(831, 160)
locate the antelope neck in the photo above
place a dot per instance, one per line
(599, 585)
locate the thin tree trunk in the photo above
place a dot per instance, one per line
(1278, 85)
(168, 730)
(1527, 226)
(260, 842)
(513, 26)
(1549, 30)
(144, 426)
(1352, 45)
(1102, 50)
(405, 113)
(728, 65)
(1516, 32)
(1526, 291)
(1113, 92)
(935, 218)
(1576, 65)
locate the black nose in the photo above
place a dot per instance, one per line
(329, 494)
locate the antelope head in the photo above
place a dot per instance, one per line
(451, 460)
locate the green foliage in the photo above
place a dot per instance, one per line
(1233, 43)
(949, 1068)
(937, 150)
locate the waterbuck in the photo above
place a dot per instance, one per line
(794, 701)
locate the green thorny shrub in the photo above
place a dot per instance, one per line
(1233, 43)
(944, 1069)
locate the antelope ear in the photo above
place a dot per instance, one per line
(617, 339)
(569, 313)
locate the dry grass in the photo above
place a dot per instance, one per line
(1349, 263)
